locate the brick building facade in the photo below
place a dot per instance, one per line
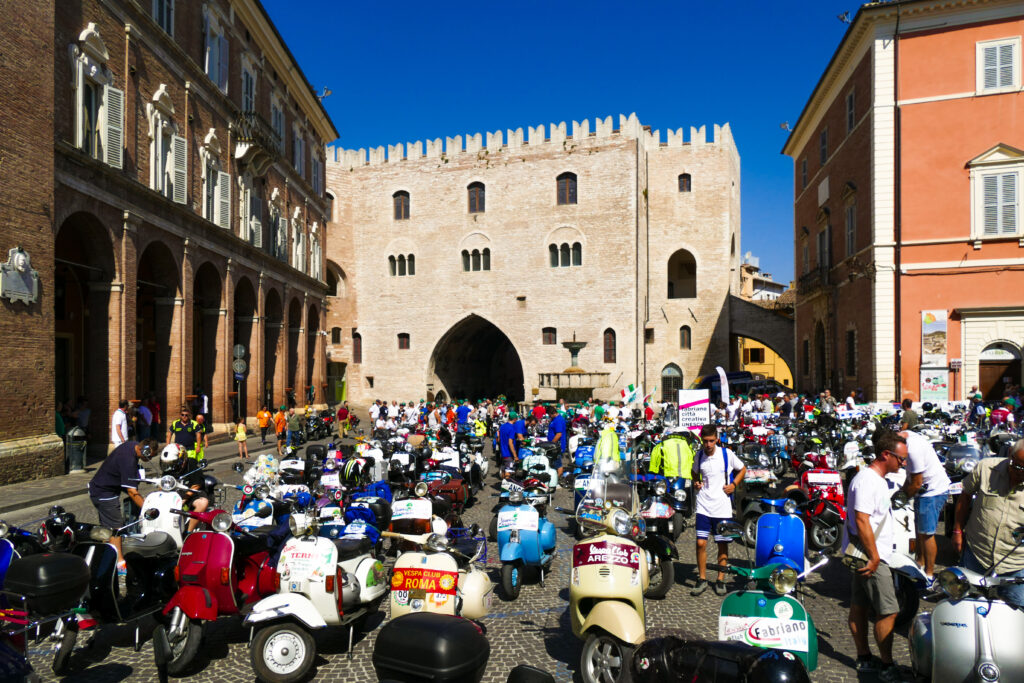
(463, 267)
(908, 234)
(185, 206)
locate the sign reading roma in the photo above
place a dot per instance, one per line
(428, 580)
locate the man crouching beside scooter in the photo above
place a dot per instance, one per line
(716, 474)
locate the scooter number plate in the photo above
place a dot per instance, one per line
(956, 488)
(582, 483)
(295, 586)
(524, 519)
(657, 511)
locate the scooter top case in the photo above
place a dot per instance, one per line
(50, 582)
(769, 620)
(431, 647)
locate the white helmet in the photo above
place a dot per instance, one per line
(170, 456)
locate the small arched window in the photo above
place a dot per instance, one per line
(682, 275)
(476, 259)
(566, 188)
(476, 197)
(553, 255)
(401, 202)
(412, 264)
(357, 348)
(609, 345)
(392, 266)
(465, 260)
(684, 182)
(577, 254)
(671, 383)
(487, 259)
(684, 337)
(403, 340)
(401, 265)
(563, 252)
(335, 335)
(549, 336)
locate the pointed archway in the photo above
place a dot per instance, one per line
(475, 359)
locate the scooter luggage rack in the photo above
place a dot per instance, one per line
(22, 617)
(456, 534)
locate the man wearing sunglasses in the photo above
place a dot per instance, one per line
(185, 432)
(987, 512)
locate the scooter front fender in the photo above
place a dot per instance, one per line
(512, 552)
(899, 562)
(284, 606)
(617, 618)
(195, 601)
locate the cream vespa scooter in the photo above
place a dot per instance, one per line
(609, 575)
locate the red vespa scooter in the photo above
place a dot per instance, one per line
(218, 573)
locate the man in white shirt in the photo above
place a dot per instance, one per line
(119, 424)
(374, 411)
(393, 410)
(716, 474)
(869, 525)
(732, 409)
(928, 483)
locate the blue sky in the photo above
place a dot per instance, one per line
(406, 71)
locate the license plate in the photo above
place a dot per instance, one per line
(956, 489)
(295, 586)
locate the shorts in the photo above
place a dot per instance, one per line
(705, 525)
(110, 512)
(876, 591)
(926, 513)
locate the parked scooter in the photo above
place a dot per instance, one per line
(671, 658)
(526, 538)
(971, 635)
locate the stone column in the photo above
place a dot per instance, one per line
(185, 332)
(225, 350)
(123, 332)
(257, 337)
(102, 366)
(167, 323)
(302, 346)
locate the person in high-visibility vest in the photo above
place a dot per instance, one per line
(607, 445)
(673, 457)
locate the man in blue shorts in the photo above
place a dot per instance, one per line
(716, 474)
(507, 445)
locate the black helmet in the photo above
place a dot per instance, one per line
(777, 666)
(927, 407)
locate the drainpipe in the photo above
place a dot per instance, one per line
(897, 208)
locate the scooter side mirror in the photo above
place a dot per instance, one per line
(265, 511)
(237, 467)
(203, 465)
(151, 514)
(474, 530)
(729, 528)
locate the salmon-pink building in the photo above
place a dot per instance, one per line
(909, 164)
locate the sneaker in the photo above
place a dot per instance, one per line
(702, 585)
(891, 673)
(866, 663)
(720, 588)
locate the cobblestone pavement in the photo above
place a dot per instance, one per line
(532, 630)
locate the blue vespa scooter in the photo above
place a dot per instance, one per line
(526, 538)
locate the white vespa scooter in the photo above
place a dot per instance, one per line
(323, 582)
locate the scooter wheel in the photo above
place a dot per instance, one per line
(678, 525)
(908, 599)
(282, 653)
(185, 648)
(63, 649)
(492, 529)
(606, 659)
(511, 580)
(661, 579)
(750, 529)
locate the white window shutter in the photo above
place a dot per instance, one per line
(283, 240)
(113, 139)
(1006, 61)
(224, 199)
(222, 67)
(179, 156)
(257, 222)
(991, 205)
(991, 67)
(1008, 200)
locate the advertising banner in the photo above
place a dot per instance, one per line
(933, 339)
(694, 408)
(934, 385)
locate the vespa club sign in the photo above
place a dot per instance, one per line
(426, 580)
(770, 632)
(604, 552)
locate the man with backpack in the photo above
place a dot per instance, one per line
(716, 474)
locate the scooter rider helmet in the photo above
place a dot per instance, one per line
(171, 457)
(777, 666)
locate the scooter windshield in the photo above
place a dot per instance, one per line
(611, 487)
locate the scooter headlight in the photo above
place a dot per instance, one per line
(4, 529)
(954, 583)
(967, 465)
(100, 534)
(297, 524)
(515, 497)
(783, 580)
(763, 460)
(221, 522)
(416, 604)
(830, 460)
(168, 483)
(680, 495)
(789, 507)
(437, 542)
(621, 522)
(420, 489)
(660, 487)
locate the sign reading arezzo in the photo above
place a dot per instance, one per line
(694, 408)
(604, 552)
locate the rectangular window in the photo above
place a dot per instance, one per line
(998, 65)
(823, 146)
(851, 114)
(1000, 194)
(403, 341)
(277, 123)
(210, 192)
(248, 91)
(224, 200)
(851, 353)
(298, 153)
(315, 181)
(216, 55)
(823, 250)
(803, 173)
(755, 355)
(549, 336)
(806, 358)
(357, 348)
(648, 335)
(807, 258)
(163, 14)
(336, 335)
(90, 120)
(851, 229)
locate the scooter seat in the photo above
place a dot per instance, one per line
(350, 547)
(153, 544)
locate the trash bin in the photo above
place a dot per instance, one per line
(74, 450)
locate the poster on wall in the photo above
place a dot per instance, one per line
(934, 384)
(933, 338)
(694, 408)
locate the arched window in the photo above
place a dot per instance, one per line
(487, 259)
(412, 264)
(465, 260)
(553, 255)
(684, 337)
(401, 265)
(357, 348)
(684, 182)
(566, 184)
(682, 275)
(476, 259)
(392, 266)
(403, 340)
(549, 336)
(577, 254)
(401, 202)
(671, 383)
(476, 197)
(335, 335)
(563, 251)
(609, 345)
